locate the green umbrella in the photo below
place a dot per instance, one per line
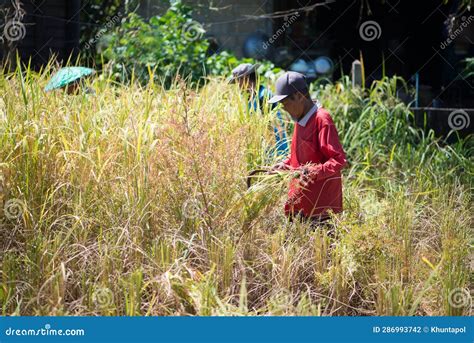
(65, 76)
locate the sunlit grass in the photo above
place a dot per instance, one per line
(133, 201)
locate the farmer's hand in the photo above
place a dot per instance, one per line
(280, 167)
(305, 176)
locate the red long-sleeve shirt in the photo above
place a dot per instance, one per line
(316, 146)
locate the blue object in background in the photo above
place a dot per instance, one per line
(66, 76)
(281, 139)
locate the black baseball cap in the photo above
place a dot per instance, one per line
(242, 70)
(287, 84)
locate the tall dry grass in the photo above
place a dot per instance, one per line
(133, 202)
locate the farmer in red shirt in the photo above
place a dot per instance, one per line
(316, 153)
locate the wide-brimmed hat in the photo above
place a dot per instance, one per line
(66, 76)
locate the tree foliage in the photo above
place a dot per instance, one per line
(170, 44)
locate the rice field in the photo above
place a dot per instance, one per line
(133, 201)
